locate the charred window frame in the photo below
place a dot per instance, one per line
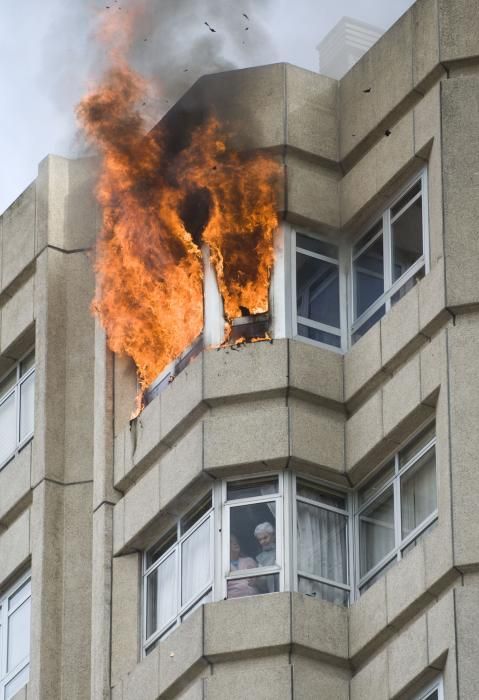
(395, 507)
(15, 612)
(17, 399)
(178, 573)
(390, 257)
(318, 286)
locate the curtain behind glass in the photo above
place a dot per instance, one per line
(195, 562)
(322, 548)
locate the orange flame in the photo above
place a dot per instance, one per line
(148, 264)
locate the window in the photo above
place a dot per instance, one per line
(275, 532)
(178, 573)
(15, 638)
(253, 551)
(317, 283)
(377, 270)
(396, 506)
(322, 521)
(16, 407)
(435, 691)
(389, 258)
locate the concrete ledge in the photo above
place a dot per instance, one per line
(15, 546)
(18, 237)
(15, 485)
(17, 314)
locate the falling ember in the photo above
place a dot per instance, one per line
(158, 210)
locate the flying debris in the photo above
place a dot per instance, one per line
(246, 29)
(185, 70)
(245, 16)
(367, 90)
(387, 132)
(210, 27)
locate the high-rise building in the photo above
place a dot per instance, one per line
(295, 518)
(344, 45)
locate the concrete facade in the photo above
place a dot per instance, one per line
(91, 491)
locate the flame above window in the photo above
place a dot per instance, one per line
(159, 206)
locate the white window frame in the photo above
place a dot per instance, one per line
(322, 486)
(426, 693)
(400, 543)
(340, 332)
(282, 542)
(5, 613)
(15, 390)
(423, 262)
(182, 610)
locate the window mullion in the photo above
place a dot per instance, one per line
(387, 247)
(397, 506)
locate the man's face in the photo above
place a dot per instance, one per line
(266, 540)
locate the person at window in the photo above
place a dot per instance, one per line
(266, 537)
(238, 588)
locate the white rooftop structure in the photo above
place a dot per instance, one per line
(344, 45)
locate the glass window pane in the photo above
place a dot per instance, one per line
(17, 682)
(377, 575)
(373, 231)
(376, 531)
(315, 493)
(317, 290)
(319, 336)
(157, 552)
(416, 444)
(255, 585)
(418, 493)
(27, 403)
(408, 285)
(207, 598)
(161, 604)
(8, 382)
(195, 514)
(316, 246)
(406, 233)
(18, 645)
(195, 562)
(8, 422)
(253, 527)
(368, 271)
(338, 596)
(27, 363)
(251, 488)
(372, 320)
(415, 189)
(322, 542)
(20, 593)
(375, 485)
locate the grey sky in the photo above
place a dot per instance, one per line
(47, 59)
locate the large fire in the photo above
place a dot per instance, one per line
(158, 210)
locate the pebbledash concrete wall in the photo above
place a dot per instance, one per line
(85, 497)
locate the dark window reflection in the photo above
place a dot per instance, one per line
(369, 276)
(317, 290)
(407, 239)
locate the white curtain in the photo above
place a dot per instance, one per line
(418, 493)
(322, 549)
(161, 604)
(8, 429)
(195, 562)
(27, 402)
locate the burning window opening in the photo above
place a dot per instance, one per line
(182, 215)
